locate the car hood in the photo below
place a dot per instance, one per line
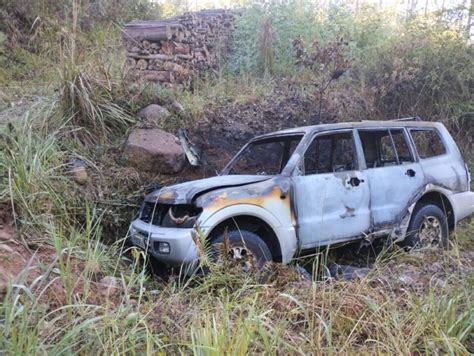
(185, 193)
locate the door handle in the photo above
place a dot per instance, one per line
(354, 181)
(410, 173)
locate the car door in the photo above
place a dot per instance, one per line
(393, 174)
(331, 194)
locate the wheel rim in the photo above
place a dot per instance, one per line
(240, 255)
(430, 232)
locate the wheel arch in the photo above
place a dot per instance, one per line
(280, 240)
(441, 200)
(252, 224)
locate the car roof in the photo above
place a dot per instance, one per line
(350, 125)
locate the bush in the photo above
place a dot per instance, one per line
(397, 67)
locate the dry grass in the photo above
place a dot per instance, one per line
(232, 312)
(410, 303)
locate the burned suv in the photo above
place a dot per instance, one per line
(314, 186)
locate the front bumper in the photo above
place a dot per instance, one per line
(183, 250)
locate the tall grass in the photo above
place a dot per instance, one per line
(87, 93)
(420, 66)
(32, 321)
(32, 165)
(64, 308)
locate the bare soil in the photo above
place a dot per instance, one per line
(22, 264)
(227, 125)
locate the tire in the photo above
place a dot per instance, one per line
(428, 227)
(242, 242)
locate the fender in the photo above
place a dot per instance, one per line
(286, 235)
(398, 234)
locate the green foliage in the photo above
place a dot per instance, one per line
(398, 67)
(288, 20)
(31, 164)
(393, 68)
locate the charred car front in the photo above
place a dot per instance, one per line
(315, 186)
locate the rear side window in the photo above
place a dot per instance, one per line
(428, 143)
(385, 147)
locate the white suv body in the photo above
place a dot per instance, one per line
(314, 186)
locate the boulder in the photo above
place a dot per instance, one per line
(154, 150)
(153, 116)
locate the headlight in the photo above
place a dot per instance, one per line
(183, 215)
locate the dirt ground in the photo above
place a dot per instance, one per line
(38, 267)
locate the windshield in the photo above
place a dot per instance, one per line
(265, 157)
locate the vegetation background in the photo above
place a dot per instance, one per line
(65, 95)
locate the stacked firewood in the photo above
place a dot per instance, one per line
(174, 50)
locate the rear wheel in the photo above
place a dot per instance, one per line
(242, 247)
(428, 227)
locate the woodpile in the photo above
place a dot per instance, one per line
(176, 49)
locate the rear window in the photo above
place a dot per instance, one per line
(428, 143)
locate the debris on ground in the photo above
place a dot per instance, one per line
(346, 272)
(189, 149)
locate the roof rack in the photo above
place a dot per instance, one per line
(414, 118)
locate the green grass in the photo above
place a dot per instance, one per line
(64, 309)
(231, 312)
(83, 111)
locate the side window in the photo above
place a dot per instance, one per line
(383, 148)
(401, 145)
(387, 151)
(330, 153)
(266, 156)
(428, 143)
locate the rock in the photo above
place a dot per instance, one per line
(406, 280)
(78, 171)
(80, 175)
(6, 248)
(7, 232)
(153, 116)
(154, 150)
(111, 286)
(304, 275)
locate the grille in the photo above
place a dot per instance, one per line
(153, 213)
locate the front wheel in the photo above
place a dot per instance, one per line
(242, 247)
(428, 227)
